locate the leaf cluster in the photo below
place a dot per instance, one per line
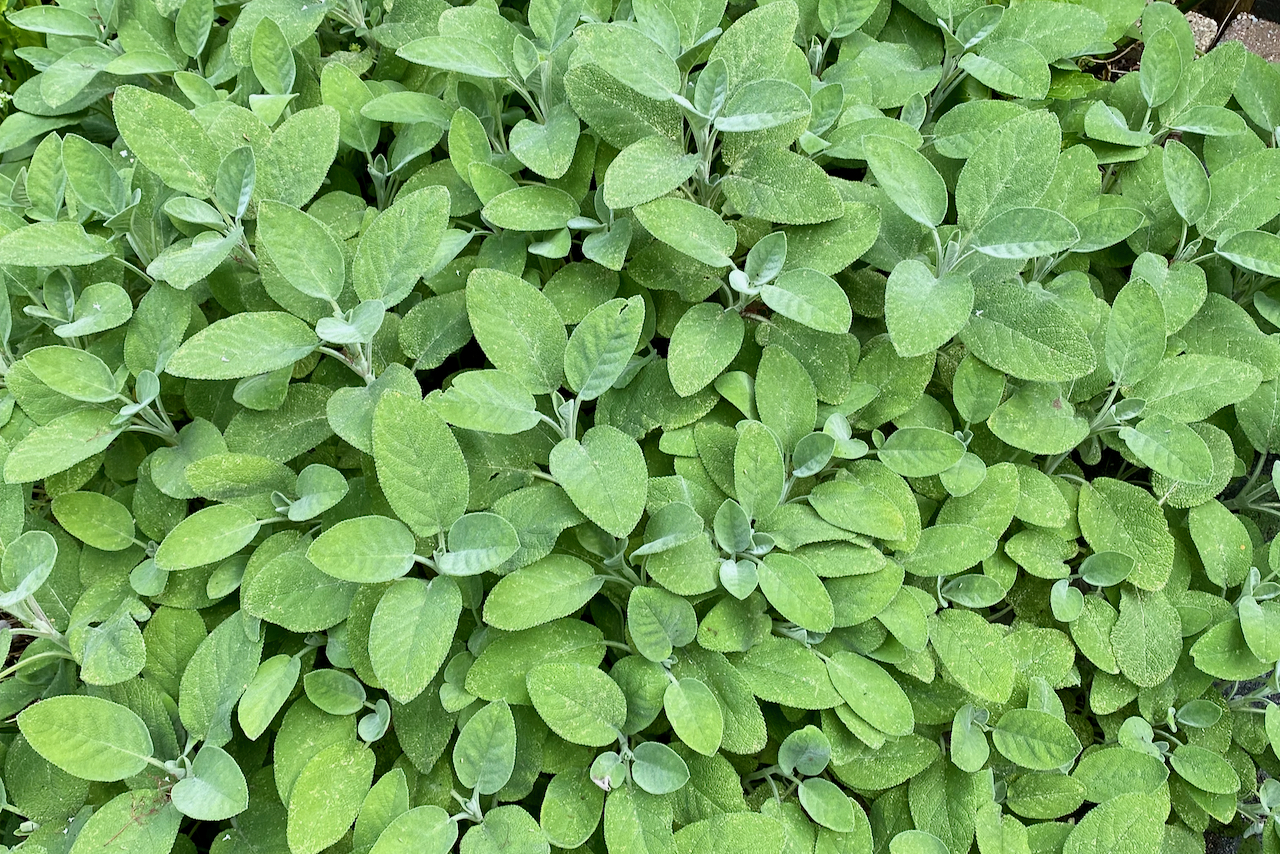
(652, 427)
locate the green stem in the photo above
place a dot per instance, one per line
(1106, 407)
(171, 438)
(363, 371)
(142, 274)
(9, 671)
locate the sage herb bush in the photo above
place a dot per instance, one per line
(813, 426)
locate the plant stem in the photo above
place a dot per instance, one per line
(9, 671)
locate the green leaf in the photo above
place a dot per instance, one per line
(689, 228)
(498, 673)
(327, 796)
(1119, 517)
(811, 298)
(52, 244)
(1108, 124)
(1027, 335)
(840, 18)
(478, 542)
(410, 634)
(759, 473)
(827, 804)
(785, 396)
(746, 832)
(167, 140)
(27, 564)
(920, 451)
(795, 591)
(1039, 418)
(207, 536)
(805, 751)
(1022, 233)
(659, 621)
(92, 176)
(1185, 181)
(506, 828)
(1223, 542)
(60, 444)
(858, 507)
(78, 374)
(1159, 81)
(342, 89)
(761, 105)
(923, 312)
(303, 250)
(214, 790)
(579, 703)
(273, 63)
(243, 345)
(185, 264)
(973, 653)
(462, 56)
(601, 346)
(1258, 251)
(95, 520)
(319, 489)
(945, 549)
(573, 803)
(705, 340)
(605, 476)
(553, 587)
(1012, 167)
(485, 753)
(405, 432)
(1147, 638)
(548, 148)
(1242, 195)
(139, 821)
(1192, 387)
(1035, 739)
(1129, 823)
(782, 670)
(219, 670)
(366, 549)
(1171, 448)
(88, 737)
(266, 694)
(656, 768)
(1011, 67)
(1112, 771)
(54, 20)
(631, 58)
(1135, 342)
(489, 401)
(674, 525)
(916, 842)
(969, 748)
(518, 328)
(426, 829)
(871, 693)
(911, 181)
(100, 307)
(647, 169)
(694, 714)
(1260, 626)
(531, 208)
(782, 186)
(1204, 769)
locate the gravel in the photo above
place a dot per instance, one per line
(1259, 35)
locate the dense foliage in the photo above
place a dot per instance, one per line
(819, 426)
